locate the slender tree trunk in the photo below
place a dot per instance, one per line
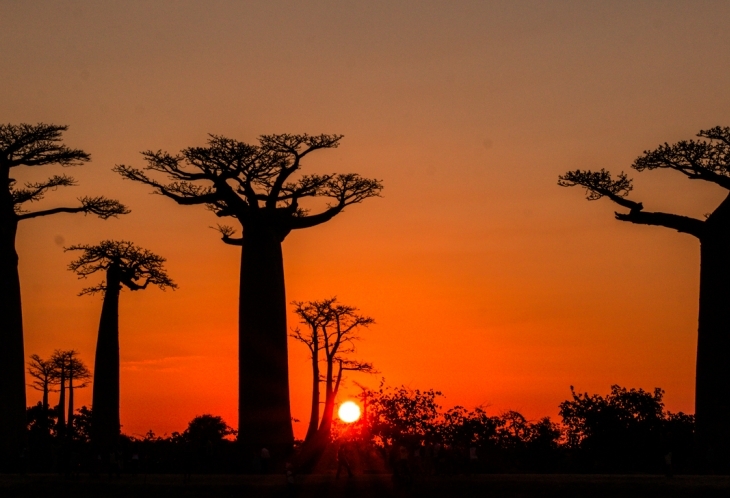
(12, 356)
(314, 412)
(264, 414)
(332, 386)
(45, 395)
(712, 395)
(61, 425)
(70, 418)
(105, 424)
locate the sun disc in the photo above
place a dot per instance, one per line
(349, 412)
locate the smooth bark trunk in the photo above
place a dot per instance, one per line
(61, 425)
(314, 411)
(70, 418)
(12, 355)
(105, 424)
(45, 396)
(712, 394)
(264, 416)
(332, 386)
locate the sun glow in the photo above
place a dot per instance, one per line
(349, 412)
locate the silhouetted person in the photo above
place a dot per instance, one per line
(342, 461)
(265, 460)
(668, 470)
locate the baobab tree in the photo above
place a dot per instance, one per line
(76, 371)
(333, 329)
(124, 265)
(32, 146)
(258, 185)
(707, 159)
(44, 375)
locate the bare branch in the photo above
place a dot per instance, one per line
(135, 267)
(226, 232)
(36, 145)
(101, 206)
(684, 224)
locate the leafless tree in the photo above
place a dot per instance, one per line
(44, 375)
(706, 159)
(32, 146)
(333, 329)
(124, 265)
(261, 186)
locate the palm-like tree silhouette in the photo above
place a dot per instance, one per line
(124, 265)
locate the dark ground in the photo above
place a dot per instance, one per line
(378, 486)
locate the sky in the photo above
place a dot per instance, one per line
(486, 280)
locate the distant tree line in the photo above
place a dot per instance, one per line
(407, 432)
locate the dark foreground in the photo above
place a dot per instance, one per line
(378, 486)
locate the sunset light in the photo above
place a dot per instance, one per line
(349, 412)
(412, 241)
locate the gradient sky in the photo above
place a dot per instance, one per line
(486, 279)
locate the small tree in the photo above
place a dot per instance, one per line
(707, 159)
(258, 185)
(124, 265)
(32, 146)
(44, 375)
(333, 328)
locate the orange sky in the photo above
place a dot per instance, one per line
(487, 280)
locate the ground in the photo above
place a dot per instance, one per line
(378, 486)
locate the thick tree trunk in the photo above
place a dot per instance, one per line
(712, 395)
(264, 414)
(314, 411)
(105, 424)
(12, 355)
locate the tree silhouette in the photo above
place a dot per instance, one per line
(44, 375)
(256, 184)
(707, 159)
(333, 328)
(79, 372)
(27, 145)
(124, 265)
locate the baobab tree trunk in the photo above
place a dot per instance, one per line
(264, 414)
(314, 411)
(105, 424)
(61, 425)
(712, 395)
(70, 418)
(12, 355)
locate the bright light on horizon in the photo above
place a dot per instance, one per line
(349, 412)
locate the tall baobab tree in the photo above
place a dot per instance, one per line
(261, 187)
(124, 265)
(707, 159)
(32, 146)
(333, 329)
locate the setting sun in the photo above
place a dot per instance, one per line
(349, 412)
